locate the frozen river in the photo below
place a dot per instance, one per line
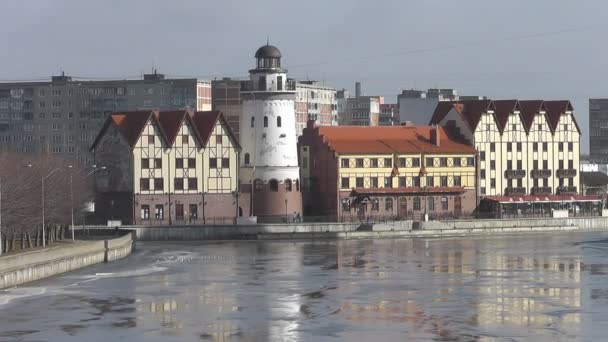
(549, 287)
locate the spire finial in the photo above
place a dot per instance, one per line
(267, 40)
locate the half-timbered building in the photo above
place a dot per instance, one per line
(173, 167)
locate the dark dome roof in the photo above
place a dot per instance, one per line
(268, 51)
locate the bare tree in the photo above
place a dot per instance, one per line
(21, 176)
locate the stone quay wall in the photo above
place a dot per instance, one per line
(30, 266)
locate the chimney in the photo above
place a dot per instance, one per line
(357, 89)
(435, 140)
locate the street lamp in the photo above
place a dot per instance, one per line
(286, 217)
(72, 191)
(43, 228)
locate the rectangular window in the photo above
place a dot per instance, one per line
(570, 146)
(345, 162)
(430, 181)
(535, 164)
(144, 184)
(151, 139)
(545, 147)
(345, 183)
(158, 163)
(429, 162)
(519, 147)
(159, 212)
(219, 139)
(492, 164)
(540, 127)
(401, 162)
(493, 183)
(457, 181)
(178, 183)
(561, 147)
(373, 182)
(443, 162)
(359, 182)
(444, 203)
(359, 162)
(145, 163)
(158, 184)
(561, 165)
(457, 162)
(191, 163)
(415, 162)
(145, 212)
(402, 182)
(492, 147)
(545, 165)
(192, 184)
(388, 162)
(571, 164)
(185, 139)
(279, 83)
(213, 163)
(470, 161)
(416, 181)
(519, 165)
(388, 182)
(482, 174)
(225, 163)
(535, 147)
(482, 155)
(373, 162)
(509, 165)
(444, 181)
(193, 211)
(509, 147)
(179, 163)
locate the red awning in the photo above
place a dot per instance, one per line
(407, 190)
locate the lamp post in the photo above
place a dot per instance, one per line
(43, 227)
(72, 191)
(286, 217)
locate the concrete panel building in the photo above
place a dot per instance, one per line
(598, 130)
(167, 167)
(63, 116)
(359, 173)
(389, 114)
(525, 147)
(359, 110)
(417, 106)
(316, 102)
(226, 98)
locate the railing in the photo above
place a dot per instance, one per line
(538, 173)
(566, 173)
(515, 174)
(515, 191)
(541, 190)
(566, 190)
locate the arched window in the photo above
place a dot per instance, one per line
(246, 158)
(417, 203)
(297, 185)
(274, 185)
(431, 204)
(258, 185)
(278, 121)
(288, 185)
(388, 204)
(253, 121)
(265, 121)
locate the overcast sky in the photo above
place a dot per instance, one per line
(528, 49)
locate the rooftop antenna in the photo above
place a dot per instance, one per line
(267, 40)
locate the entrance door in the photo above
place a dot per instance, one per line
(179, 212)
(361, 208)
(457, 206)
(402, 207)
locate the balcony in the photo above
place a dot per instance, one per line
(566, 173)
(541, 190)
(566, 190)
(515, 174)
(515, 191)
(540, 173)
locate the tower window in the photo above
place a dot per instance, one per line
(274, 185)
(278, 121)
(262, 83)
(252, 121)
(247, 158)
(265, 121)
(279, 83)
(288, 185)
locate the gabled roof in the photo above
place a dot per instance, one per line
(555, 109)
(528, 110)
(470, 111)
(132, 124)
(503, 108)
(390, 139)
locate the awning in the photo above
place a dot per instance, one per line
(407, 191)
(543, 198)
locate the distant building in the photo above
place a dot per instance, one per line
(167, 167)
(598, 130)
(63, 116)
(356, 173)
(359, 110)
(525, 147)
(316, 102)
(417, 106)
(226, 98)
(389, 114)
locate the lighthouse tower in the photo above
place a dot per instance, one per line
(269, 160)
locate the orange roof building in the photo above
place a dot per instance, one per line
(355, 172)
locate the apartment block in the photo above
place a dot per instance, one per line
(359, 110)
(389, 114)
(357, 173)
(167, 167)
(316, 102)
(598, 130)
(63, 116)
(525, 147)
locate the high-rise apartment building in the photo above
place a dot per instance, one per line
(63, 116)
(598, 130)
(417, 106)
(226, 98)
(359, 110)
(389, 114)
(316, 102)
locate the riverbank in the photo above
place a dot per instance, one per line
(29, 266)
(396, 229)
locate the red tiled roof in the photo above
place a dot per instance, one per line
(555, 109)
(406, 190)
(502, 110)
(470, 111)
(390, 139)
(542, 198)
(131, 125)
